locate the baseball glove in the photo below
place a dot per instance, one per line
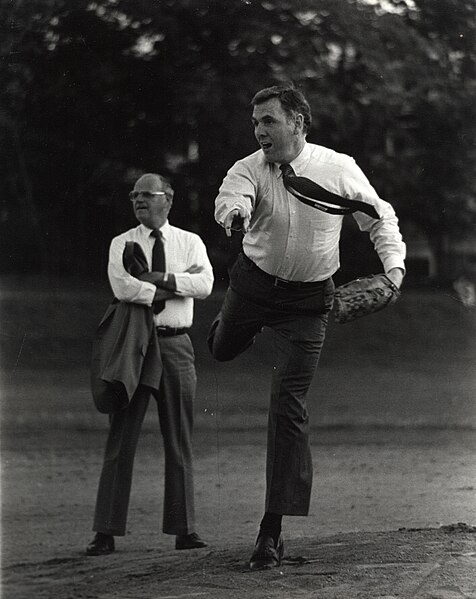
(364, 296)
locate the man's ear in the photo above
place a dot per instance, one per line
(298, 123)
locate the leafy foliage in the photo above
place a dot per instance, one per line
(94, 93)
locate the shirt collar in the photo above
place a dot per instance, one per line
(299, 163)
(164, 229)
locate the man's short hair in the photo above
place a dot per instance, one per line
(292, 100)
(167, 186)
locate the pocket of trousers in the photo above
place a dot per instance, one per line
(308, 301)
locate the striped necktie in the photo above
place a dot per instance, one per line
(314, 195)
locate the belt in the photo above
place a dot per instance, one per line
(283, 283)
(170, 331)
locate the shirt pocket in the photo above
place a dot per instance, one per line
(325, 231)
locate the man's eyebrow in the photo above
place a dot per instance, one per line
(262, 118)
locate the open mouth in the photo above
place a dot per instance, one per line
(265, 145)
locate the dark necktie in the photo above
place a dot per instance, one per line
(158, 264)
(314, 195)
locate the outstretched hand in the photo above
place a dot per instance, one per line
(237, 220)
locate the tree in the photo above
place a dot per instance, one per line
(98, 92)
(431, 142)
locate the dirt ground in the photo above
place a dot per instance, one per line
(383, 521)
(394, 449)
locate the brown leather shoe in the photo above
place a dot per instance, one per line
(191, 541)
(266, 554)
(101, 545)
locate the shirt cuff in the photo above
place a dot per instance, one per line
(168, 282)
(394, 262)
(147, 293)
(225, 210)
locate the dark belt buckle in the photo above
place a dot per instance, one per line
(166, 331)
(282, 283)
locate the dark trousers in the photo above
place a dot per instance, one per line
(175, 407)
(298, 316)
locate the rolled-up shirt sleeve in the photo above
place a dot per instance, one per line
(197, 280)
(125, 287)
(383, 232)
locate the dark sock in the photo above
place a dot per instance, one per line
(271, 525)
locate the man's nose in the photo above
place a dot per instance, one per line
(260, 130)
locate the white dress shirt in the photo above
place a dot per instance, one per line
(185, 257)
(296, 242)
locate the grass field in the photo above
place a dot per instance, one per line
(411, 365)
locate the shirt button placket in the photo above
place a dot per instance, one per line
(290, 243)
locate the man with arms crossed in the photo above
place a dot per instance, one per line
(181, 273)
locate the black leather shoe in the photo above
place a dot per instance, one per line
(191, 541)
(101, 545)
(266, 554)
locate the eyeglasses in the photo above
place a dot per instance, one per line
(148, 195)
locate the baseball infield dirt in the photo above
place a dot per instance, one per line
(383, 522)
(394, 450)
